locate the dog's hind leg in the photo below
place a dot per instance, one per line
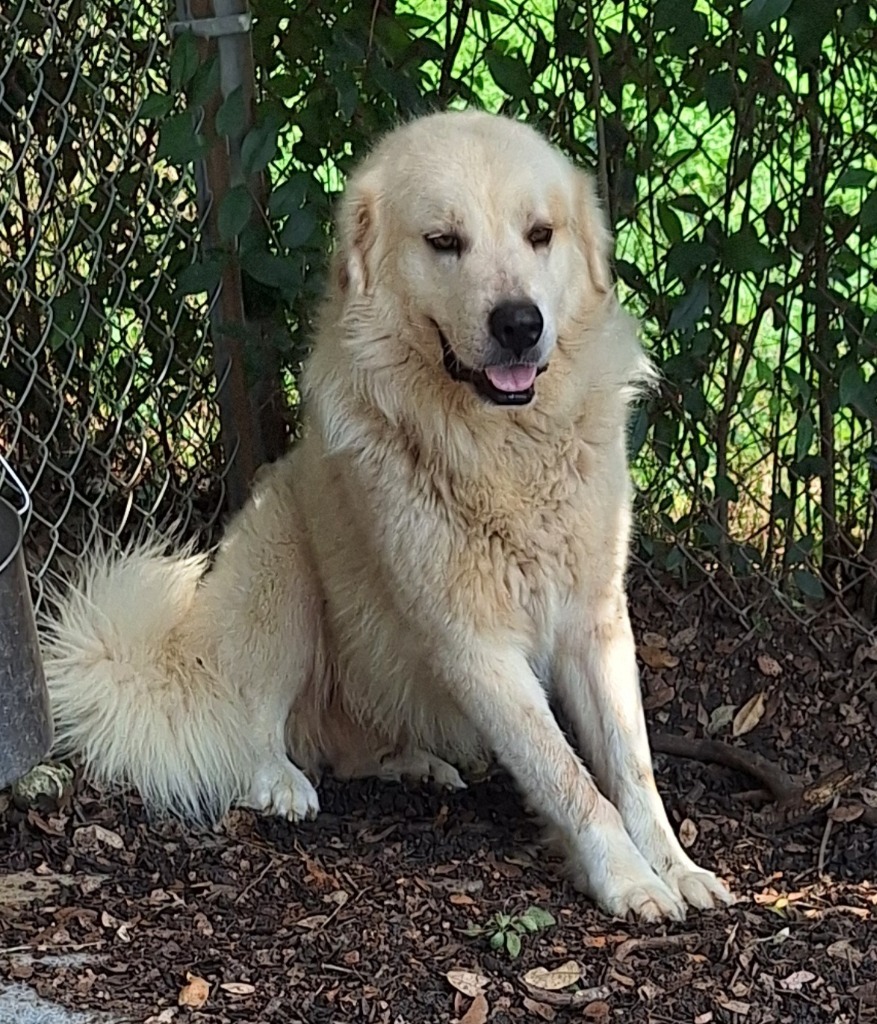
(420, 766)
(263, 605)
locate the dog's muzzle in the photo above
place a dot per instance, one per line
(508, 384)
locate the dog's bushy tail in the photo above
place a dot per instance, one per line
(133, 686)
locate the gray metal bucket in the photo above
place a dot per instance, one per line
(25, 723)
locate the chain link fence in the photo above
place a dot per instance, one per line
(107, 394)
(735, 148)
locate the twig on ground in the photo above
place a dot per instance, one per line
(794, 799)
(573, 999)
(655, 942)
(823, 846)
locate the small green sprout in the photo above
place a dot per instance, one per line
(505, 931)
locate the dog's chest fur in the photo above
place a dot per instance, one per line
(524, 526)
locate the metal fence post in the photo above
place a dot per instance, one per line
(252, 425)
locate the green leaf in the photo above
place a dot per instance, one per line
(810, 21)
(854, 177)
(497, 940)
(686, 257)
(260, 145)
(760, 14)
(231, 118)
(800, 385)
(202, 276)
(690, 308)
(513, 944)
(155, 106)
(510, 73)
(178, 142)
(670, 223)
(204, 84)
(719, 91)
(689, 203)
(289, 197)
(272, 270)
(726, 489)
(541, 918)
(184, 61)
(299, 228)
(803, 436)
(809, 585)
(669, 14)
(868, 217)
(234, 212)
(743, 252)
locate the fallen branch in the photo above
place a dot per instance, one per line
(794, 799)
(653, 942)
(580, 998)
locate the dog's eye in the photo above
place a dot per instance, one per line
(540, 236)
(445, 243)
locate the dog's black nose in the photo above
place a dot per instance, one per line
(517, 326)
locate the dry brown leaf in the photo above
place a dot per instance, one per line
(846, 812)
(339, 897)
(460, 899)
(470, 983)
(312, 922)
(769, 666)
(194, 993)
(238, 988)
(734, 1006)
(721, 718)
(688, 833)
(561, 977)
(663, 696)
(749, 715)
(657, 657)
(542, 1010)
(202, 924)
(165, 1017)
(683, 638)
(649, 991)
(843, 949)
(90, 838)
(704, 1018)
(867, 993)
(477, 1012)
(596, 1011)
(654, 640)
(797, 980)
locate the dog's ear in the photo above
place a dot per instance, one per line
(594, 233)
(357, 234)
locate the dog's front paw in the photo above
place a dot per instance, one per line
(699, 888)
(618, 877)
(647, 899)
(282, 789)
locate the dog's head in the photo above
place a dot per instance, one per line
(485, 242)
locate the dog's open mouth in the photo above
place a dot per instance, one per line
(503, 385)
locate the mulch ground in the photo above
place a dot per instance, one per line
(383, 909)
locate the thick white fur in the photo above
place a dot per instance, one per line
(406, 588)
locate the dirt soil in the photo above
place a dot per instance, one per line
(376, 911)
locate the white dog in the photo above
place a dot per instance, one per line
(443, 551)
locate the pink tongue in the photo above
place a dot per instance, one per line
(511, 378)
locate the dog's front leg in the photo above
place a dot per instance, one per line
(498, 691)
(597, 680)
